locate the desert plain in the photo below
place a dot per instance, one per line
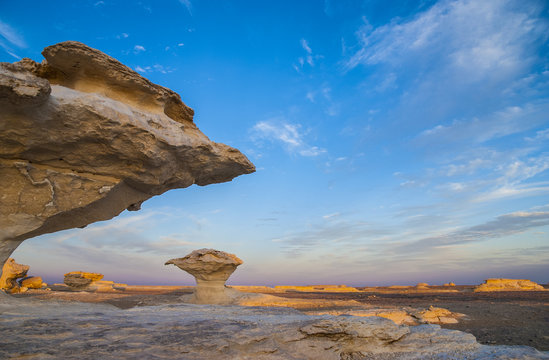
(494, 318)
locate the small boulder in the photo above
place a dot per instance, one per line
(11, 271)
(81, 280)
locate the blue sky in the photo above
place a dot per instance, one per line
(393, 143)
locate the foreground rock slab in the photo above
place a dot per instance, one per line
(50, 330)
(83, 137)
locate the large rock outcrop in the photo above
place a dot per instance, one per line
(83, 137)
(210, 268)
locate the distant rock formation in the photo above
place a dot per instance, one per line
(84, 137)
(210, 268)
(81, 280)
(11, 271)
(508, 285)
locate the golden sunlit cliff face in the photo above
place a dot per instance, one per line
(83, 137)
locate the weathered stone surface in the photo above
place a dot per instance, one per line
(93, 331)
(81, 280)
(83, 137)
(399, 315)
(11, 271)
(32, 282)
(508, 285)
(211, 268)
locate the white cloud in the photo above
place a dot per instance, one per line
(541, 135)
(8, 38)
(511, 120)
(140, 69)
(475, 36)
(138, 48)
(188, 5)
(290, 136)
(305, 46)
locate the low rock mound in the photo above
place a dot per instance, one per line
(508, 285)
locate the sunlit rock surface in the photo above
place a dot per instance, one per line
(11, 271)
(210, 268)
(32, 329)
(83, 137)
(509, 285)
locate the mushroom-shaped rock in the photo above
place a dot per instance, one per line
(11, 271)
(84, 137)
(211, 268)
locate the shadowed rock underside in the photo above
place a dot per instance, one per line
(83, 137)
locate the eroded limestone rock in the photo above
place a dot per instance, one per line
(509, 285)
(32, 282)
(80, 280)
(211, 268)
(11, 271)
(83, 137)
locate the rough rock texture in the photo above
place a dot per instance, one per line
(211, 268)
(508, 285)
(93, 331)
(81, 280)
(400, 315)
(83, 137)
(32, 282)
(11, 271)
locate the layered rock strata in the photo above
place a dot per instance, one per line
(81, 280)
(211, 269)
(70, 331)
(11, 271)
(83, 137)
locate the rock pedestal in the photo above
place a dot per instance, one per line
(211, 268)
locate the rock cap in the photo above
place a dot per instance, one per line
(208, 264)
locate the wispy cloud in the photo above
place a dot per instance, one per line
(485, 54)
(511, 120)
(309, 57)
(9, 38)
(154, 68)
(504, 225)
(188, 5)
(138, 48)
(290, 136)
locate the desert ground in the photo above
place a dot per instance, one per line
(494, 318)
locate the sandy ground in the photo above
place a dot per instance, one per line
(496, 318)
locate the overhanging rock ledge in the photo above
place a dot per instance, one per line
(83, 137)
